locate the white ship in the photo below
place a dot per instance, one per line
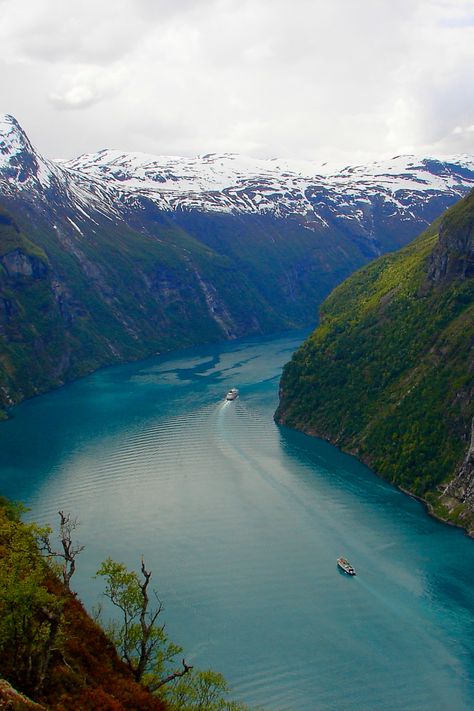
(346, 566)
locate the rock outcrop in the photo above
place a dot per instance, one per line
(458, 495)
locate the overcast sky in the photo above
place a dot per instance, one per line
(344, 80)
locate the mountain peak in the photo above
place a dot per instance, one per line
(12, 136)
(19, 161)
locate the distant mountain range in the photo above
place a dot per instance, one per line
(113, 256)
(358, 199)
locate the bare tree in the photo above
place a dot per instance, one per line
(69, 550)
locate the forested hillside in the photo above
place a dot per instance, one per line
(50, 649)
(388, 375)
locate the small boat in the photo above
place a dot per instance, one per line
(233, 394)
(345, 566)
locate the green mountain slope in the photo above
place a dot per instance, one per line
(70, 304)
(388, 375)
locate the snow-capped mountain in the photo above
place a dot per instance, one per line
(113, 181)
(20, 165)
(236, 184)
(115, 256)
(25, 174)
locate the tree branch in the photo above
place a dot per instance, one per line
(175, 675)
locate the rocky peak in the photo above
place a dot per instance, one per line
(13, 139)
(19, 162)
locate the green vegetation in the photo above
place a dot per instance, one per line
(69, 305)
(29, 612)
(143, 645)
(12, 239)
(140, 639)
(201, 691)
(53, 652)
(50, 649)
(73, 301)
(388, 375)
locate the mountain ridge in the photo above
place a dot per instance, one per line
(238, 184)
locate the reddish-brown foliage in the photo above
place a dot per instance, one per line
(87, 674)
(85, 671)
(12, 700)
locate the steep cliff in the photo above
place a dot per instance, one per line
(389, 373)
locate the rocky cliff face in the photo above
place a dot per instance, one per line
(458, 496)
(389, 373)
(17, 264)
(453, 257)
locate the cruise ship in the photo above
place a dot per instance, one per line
(232, 394)
(345, 566)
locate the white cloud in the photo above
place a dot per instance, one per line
(311, 79)
(460, 130)
(85, 86)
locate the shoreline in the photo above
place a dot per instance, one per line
(427, 505)
(6, 409)
(430, 509)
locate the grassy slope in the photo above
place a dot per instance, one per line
(388, 373)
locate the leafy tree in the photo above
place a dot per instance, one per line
(145, 647)
(30, 615)
(140, 640)
(201, 691)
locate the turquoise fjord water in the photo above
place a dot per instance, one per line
(242, 522)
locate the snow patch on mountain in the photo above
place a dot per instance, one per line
(232, 183)
(111, 182)
(18, 159)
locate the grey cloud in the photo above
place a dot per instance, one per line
(267, 77)
(86, 31)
